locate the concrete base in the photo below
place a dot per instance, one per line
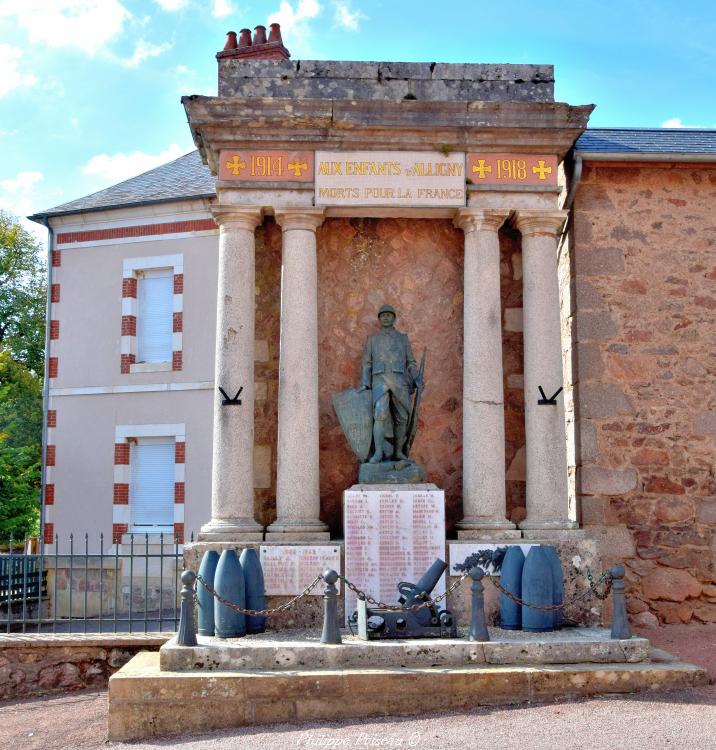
(297, 537)
(290, 650)
(146, 702)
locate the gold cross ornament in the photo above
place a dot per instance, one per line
(296, 167)
(542, 170)
(481, 168)
(236, 165)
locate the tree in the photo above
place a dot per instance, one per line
(22, 343)
(20, 448)
(22, 294)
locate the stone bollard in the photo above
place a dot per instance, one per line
(186, 635)
(478, 628)
(620, 622)
(331, 631)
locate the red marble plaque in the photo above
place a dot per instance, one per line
(288, 569)
(511, 169)
(266, 166)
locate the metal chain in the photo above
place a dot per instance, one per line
(258, 612)
(393, 608)
(552, 607)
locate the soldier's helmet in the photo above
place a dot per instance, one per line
(387, 308)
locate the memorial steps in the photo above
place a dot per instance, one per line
(279, 677)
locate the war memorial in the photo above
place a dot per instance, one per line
(444, 381)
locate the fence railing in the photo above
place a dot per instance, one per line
(79, 585)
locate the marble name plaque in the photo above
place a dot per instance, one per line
(389, 178)
(391, 535)
(288, 569)
(459, 551)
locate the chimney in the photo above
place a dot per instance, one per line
(260, 48)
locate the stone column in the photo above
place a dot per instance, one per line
(483, 409)
(547, 494)
(232, 484)
(297, 484)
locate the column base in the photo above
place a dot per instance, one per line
(482, 524)
(308, 530)
(486, 535)
(560, 524)
(235, 530)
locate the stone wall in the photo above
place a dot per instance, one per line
(332, 79)
(644, 332)
(44, 663)
(417, 266)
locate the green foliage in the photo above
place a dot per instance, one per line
(22, 294)
(20, 448)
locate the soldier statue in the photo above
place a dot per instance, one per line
(385, 406)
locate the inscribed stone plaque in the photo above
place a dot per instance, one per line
(391, 535)
(512, 169)
(288, 569)
(266, 166)
(460, 550)
(389, 178)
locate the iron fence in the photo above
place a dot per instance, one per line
(73, 587)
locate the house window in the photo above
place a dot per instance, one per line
(155, 301)
(151, 484)
(152, 314)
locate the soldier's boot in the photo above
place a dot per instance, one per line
(400, 433)
(378, 438)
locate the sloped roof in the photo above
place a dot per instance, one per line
(181, 179)
(187, 177)
(647, 141)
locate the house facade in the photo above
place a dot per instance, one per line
(133, 341)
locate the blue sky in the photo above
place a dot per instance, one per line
(90, 89)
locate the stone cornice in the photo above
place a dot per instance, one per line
(536, 223)
(299, 218)
(525, 127)
(480, 219)
(237, 217)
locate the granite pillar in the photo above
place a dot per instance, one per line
(297, 482)
(483, 464)
(232, 485)
(546, 446)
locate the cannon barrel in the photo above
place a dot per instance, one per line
(429, 580)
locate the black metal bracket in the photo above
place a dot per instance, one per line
(228, 401)
(552, 401)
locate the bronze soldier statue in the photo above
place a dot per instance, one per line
(390, 371)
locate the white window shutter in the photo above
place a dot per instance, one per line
(151, 487)
(155, 303)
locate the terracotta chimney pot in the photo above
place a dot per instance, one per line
(230, 40)
(275, 33)
(260, 35)
(245, 38)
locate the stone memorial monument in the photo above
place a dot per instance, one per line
(380, 417)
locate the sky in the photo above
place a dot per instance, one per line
(90, 89)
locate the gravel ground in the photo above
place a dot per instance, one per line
(682, 719)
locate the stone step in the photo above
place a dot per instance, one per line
(288, 650)
(145, 702)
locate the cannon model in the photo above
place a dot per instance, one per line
(428, 622)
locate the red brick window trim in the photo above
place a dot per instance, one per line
(139, 230)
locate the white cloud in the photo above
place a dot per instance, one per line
(675, 122)
(172, 5)
(18, 195)
(117, 167)
(347, 18)
(87, 25)
(295, 21)
(221, 8)
(290, 19)
(8, 133)
(11, 74)
(143, 51)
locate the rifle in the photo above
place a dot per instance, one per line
(413, 421)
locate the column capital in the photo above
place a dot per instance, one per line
(480, 219)
(536, 223)
(239, 217)
(299, 218)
